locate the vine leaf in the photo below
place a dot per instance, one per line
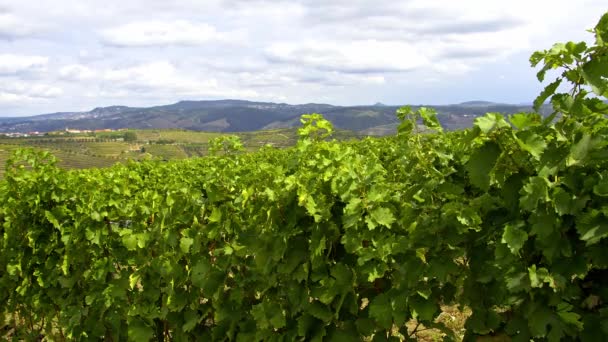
(548, 91)
(481, 164)
(514, 237)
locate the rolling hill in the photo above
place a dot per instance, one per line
(244, 116)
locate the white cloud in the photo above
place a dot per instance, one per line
(150, 33)
(77, 72)
(160, 74)
(162, 77)
(15, 90)
(11, 64)
(139, 52)
(294, 77)
(351, 57)
(452, 68)
(12, 26)
(153, 72)
(10, 98)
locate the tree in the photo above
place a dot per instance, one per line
(130, 136)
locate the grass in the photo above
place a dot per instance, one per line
(180, 136)
(107, 149)
(82, 161)
(195, 150)
(166, 151)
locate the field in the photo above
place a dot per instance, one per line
(80, 151)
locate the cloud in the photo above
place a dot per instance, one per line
(23, 90)
(13, 27)
(363, 57)
(11, 64)
(295, 78)
(159, 74)
(252, 64)
(10, 98)
(471, 26)
(361, 37)
(139, 52)
(162, 77)
(158, 33)
(77, 72)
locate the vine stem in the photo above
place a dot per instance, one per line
(415, 330)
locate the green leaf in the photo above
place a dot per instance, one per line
(592, 226)
(129, 239)
(514, 237)
(320, 311)
(365, 326)
(539, 321)
(199, 272)
(518, 326)
(216, 215)
(538, 276)
(403, 112)
(595, 73)
(133, 280)
(96, 216)
(423, 309)
(305, 323)
(51, 218)
(601, 188)
(142, 239)
(537, 189)
(525, 120)
(380, 309)
(481, 163)
(601, 30)
(405, 127)
(268, 315)
(185, 243)
(564, 311)
(139, 331)
(518, 282)
(548, 91)
(491, 121)
(543, 225)
(191, 319)
(429, 118)
(531, 142)
(345, 334)
(382, 216)
(483, 321)
(580, 149)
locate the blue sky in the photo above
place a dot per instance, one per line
(74, 55)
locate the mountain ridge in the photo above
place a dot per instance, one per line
(232, 115)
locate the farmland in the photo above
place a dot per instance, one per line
(78, 151)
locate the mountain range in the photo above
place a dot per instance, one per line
(242, 116)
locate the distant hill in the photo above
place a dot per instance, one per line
(243, 116)
(478, 103)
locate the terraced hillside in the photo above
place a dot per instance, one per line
(67, 158)
(105, 149)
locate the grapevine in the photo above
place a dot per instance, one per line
(328, 240)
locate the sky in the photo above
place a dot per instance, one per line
(75, 55)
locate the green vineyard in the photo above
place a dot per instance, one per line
(327, 240)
